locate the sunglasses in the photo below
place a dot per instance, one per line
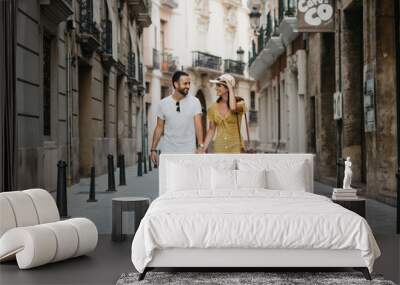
(178, 107)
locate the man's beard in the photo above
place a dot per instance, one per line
(183, 91)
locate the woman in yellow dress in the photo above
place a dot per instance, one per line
(225, 118)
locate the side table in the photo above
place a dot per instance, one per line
(356, 205)
(139, 205)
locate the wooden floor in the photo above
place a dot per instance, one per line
(110, 260)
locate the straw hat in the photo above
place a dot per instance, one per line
(225, 79)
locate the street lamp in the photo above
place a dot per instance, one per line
(240, 54)
(255, 18)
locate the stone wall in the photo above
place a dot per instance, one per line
(381, 150)
(364, 37)
(93, 111)
(28, 89)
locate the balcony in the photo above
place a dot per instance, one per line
(141, 11)
(156, 59)
(270, 46)
(234, 66)
(132, 68)
(253, 118)
(172, 4)
(56, 11)
(107, 46)
(273, 42)
(169, 63)
(288, 21)
(205, 60)
(89, 34)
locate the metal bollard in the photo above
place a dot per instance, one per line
(150, 169)
(145, 163)
(62, 188)
(122, 178)
(111, 177)
(139, 170)
(92, 191)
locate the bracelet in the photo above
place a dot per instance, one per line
(153, 150)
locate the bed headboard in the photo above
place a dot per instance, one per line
(212, 159)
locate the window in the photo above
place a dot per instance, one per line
(47, 39)
(252, 100)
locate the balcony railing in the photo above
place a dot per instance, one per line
(107, 37)
(234, 66)
(269, 28)
(252, 53)
(169, 63)
(131, 66)
(287, 8)
(87, 25)
(89, 34)
(202, 59)
(253, 117)
(156, 59)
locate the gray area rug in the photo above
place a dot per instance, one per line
(225, 278)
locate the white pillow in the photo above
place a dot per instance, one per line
(193, 174)
(282, 173)
(251, 178)
(183, 177)
(292, 178)
(223, 179)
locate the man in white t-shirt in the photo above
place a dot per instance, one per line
(179, 119)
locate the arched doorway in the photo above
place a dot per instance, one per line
(200, 96)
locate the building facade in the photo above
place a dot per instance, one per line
(79, 86)
(278, 61)
(331, 92)
(206, 39)
(365, 51)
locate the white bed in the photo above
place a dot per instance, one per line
(226, 226)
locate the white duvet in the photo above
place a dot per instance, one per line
(252, 218)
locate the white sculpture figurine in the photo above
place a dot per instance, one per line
(348, 173)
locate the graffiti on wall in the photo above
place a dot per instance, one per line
(316, 15)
